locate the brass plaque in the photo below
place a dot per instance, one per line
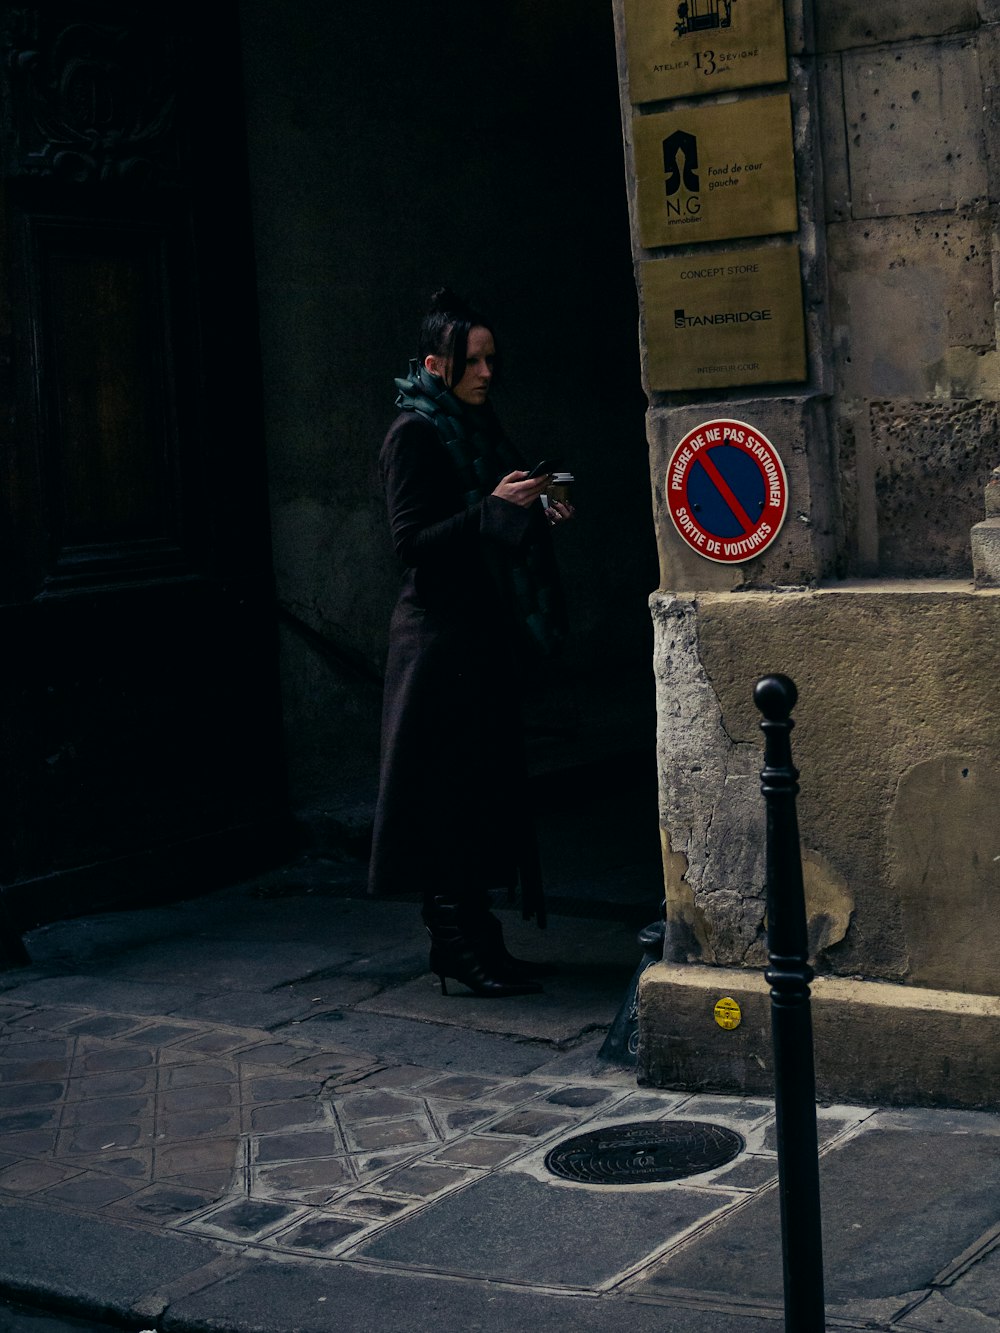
(718, 320)
(710, 173)
(703, 46)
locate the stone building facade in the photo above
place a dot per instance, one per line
(867, 598)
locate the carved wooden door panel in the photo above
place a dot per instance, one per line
(138, 694)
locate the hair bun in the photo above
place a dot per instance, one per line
(445, 329)
(446, 302)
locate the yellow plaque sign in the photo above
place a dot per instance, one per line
(703, 46)
(709, 173)
(728, 1014)
(717, 320)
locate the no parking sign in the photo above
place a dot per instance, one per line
(727, 491)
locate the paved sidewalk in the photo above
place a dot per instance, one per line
(255, 1111)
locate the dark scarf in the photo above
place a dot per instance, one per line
(482, 455)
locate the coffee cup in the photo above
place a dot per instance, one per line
(559, 487)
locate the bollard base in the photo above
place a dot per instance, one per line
(874, 1042)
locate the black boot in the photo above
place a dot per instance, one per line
(460, 949)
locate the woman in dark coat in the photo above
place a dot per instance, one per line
(479, 599)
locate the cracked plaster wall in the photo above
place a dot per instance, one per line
(712, 866)
(899, 778)
(713, 849)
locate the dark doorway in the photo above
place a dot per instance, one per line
(393, 150)
(139, 719)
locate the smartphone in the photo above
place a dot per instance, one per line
(542, 469)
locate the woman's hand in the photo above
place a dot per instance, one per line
(557, 512)
(518, 488)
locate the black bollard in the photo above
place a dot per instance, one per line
(789, 975)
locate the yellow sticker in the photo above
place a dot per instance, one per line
(728, 1013)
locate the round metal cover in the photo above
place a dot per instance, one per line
(644, 1152)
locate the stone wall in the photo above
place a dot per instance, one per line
(890, 442)
(908, 140)
(866, 598)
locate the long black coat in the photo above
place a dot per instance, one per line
(452, 814)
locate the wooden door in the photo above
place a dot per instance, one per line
(139, 713)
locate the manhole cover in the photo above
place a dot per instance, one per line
(644, 1152)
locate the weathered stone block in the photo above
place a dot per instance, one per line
(942, 846)
(989, 62)
(932, 462)
(919, 107)
(833, 138)
(986, 553)
(904, 293)
(845, 23)
(799, 28)
(873, 1042)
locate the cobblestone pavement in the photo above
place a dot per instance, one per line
(292, 1146)
(304, 1149)
(254, 1113)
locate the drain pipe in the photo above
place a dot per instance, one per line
(789, 975)
(621, 1045)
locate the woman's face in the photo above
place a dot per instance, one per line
(474, 386)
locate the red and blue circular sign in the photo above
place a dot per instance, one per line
(727, 491)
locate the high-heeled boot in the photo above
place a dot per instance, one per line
(460, 950)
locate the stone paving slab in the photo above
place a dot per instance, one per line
(187, 962)
(570, 1004)
(977, 1287)
(544, 1233)
(897, 1208)
(939, 1314)
(77, 1260)
(136, 997)
(413, 1041)
(271, 1298)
